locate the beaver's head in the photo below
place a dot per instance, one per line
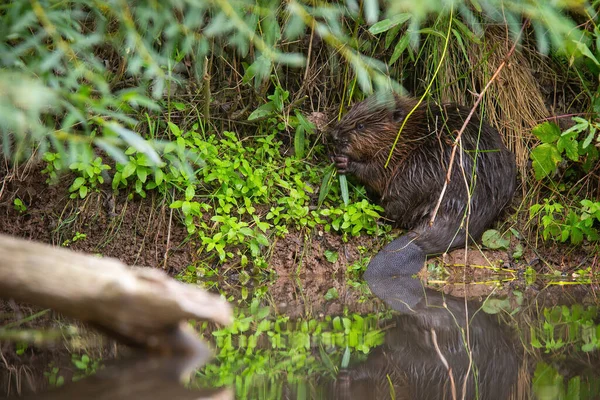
(369, 126)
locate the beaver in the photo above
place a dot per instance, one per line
(410, 186)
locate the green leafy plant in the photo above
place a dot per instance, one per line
(77, 237)
(54, 165)
(278, 114)
(332, 294)
(259, 341)
(493, 239)
(564, 326)
(557, 146)
(54, 379)
(549, 383)
(19, 205)
(90, 177)
(561, 224)
(191, 209)
(137, 169)
(85, 365)
(331, 256)
(354, 218)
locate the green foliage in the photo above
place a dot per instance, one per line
(258, 342)
(54, 164)
(548, 383)
(561, 223)
(54, 379)
(136, 170)
(77, 237)
(63, 63)
(276, 110)
(332, 294)
(251, 191)
(354, 218)
(492, 305)
(85, 366)
(59, 75)
(19, 205)
(21, 348)
(567, 327)
(557, 147)
(493, 239)
(551, 24)
(331, 256)
(90, 177)
(357, 268)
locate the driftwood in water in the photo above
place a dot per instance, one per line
(140, 306)
(148, 378)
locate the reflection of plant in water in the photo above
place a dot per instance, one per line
(548, 383)
(563, 326)
(85, 366)
(564, 331)
(54, 379)
(260, 346)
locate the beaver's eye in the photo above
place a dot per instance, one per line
(360, 126)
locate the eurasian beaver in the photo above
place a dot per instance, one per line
(410, 186)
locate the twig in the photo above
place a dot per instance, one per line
(166, 257)
(444, 361)
(309, 52)
(206, 88)
(468, 119)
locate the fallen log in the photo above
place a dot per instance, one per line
(140, 306)
(145, 377)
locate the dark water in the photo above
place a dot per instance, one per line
(424, 345)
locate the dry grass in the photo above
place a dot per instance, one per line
(514, 102)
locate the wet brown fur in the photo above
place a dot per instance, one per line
(410, 186)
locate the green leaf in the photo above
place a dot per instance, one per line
(494, 306)
(158, 176)
(77, 183)
(332, 294)
(548, 132)
(389, 23)
(493, 239)
(325, 185)
(391, 35)
(299, 140)
(190, 192)
(371, 9)
(291, 59)
(585, 51)
(399, 49)
(116, 180)
(568, 143)
(545, 159)
(331, 256)
(346, 358)
(518, 253)
(128, 170)
(142, 174)
(344, 189)
(263, 111)
(83, 191)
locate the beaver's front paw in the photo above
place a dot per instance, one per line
(341, 163)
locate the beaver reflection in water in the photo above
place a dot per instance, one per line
(410, 186)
